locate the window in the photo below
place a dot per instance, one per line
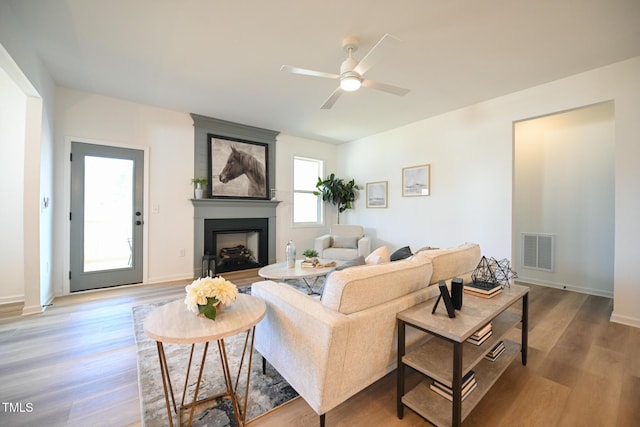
(307, 207)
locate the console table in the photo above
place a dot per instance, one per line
(447, 357)
(174, 323)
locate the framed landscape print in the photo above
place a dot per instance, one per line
(416, 181)
(237, 168)
(377, 194)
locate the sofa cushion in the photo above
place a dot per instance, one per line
(339, 253)
(361, 287)
(425, 248)
(347, 230)
(345, 242)
(401, 253)
(349, 263)
(455, 262)
(379, 256)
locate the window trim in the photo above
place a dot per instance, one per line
(320, 206)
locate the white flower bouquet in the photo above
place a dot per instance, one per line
(204, 295)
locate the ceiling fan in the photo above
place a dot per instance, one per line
(352, 71)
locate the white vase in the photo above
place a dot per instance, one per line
(199, 191)
(290, 254)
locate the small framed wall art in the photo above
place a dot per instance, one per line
(377, 194)
(416, 181)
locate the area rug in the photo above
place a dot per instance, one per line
(266, 391)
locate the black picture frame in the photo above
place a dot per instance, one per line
(247, 175)
(446, 298)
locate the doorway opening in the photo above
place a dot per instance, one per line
(564, 167)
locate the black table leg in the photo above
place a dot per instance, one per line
(525, 327)
(400, 381)
(456, 419)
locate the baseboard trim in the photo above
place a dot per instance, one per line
(625, 320)
(32, 309)
(12, 309)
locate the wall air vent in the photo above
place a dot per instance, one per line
(537, 251)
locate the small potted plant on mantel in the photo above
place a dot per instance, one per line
(199, 182)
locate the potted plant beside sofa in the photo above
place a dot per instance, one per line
(338, 192)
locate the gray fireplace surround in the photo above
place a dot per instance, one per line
(228, 208)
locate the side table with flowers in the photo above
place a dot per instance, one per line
(174, 323)
(208, 295)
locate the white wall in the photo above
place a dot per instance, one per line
(12, 128)
(25, 69)
(287, 147)
(168, 137)
(470, 197)
(471, 155)
(564, 186)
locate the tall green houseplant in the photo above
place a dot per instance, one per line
(338, 192)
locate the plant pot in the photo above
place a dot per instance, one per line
(199, 191)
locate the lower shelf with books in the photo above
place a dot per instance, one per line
(434, 358)
(437, 409)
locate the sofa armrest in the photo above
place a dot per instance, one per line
(303, 340)
(321, 243)
(364, 246)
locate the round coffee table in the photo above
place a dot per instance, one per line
(281, 271)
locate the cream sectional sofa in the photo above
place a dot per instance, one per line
(332, 348)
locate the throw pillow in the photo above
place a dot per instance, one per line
(345, 242)
(401, 253)
(379, 256)
(350, 263)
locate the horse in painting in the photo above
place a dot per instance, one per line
(241, 162)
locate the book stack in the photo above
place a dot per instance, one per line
(469, 384)
(495, 352)
(482, 289)
(315, 263)
(481, 335)
(310, 263)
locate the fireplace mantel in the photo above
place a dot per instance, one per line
(233, 203)
(231, 208)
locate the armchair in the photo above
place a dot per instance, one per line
(344, 242)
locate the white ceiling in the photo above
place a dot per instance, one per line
(222, 58)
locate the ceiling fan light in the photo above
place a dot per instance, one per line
(350, 83)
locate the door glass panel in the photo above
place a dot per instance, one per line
(108, 213)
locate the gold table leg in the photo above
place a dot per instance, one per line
(231, 388)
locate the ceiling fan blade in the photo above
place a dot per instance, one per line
(396, 90)
(332, 99)
(376, 52)
(305, 72)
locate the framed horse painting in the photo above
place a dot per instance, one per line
(237, 168)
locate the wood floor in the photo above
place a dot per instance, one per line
(75, 365)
